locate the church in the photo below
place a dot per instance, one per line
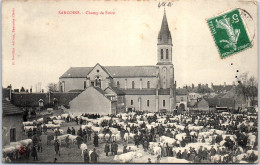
(114, 89)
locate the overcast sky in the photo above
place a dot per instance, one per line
(47, 43)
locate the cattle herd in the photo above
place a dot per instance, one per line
(164, 137)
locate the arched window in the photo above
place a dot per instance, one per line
(133, 84)
(148, 84)
(161, 54)
(167, 54)
(98, 82)
(148, 103)
(117, 84)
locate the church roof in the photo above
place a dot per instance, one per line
(164, 36)
(115, 71)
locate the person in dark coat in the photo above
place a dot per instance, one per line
(125, 149)
(89, 133)
(68, 130)
(94, 156)
(57, 147)
(34, 153)
(86, 156)
(27, 153)
(167, 148)
(30, 133)
(73, 132)
(67, 140)
(114, 148)
(40, 145)
(107, 148)
(136, 138)
(95, 140)
(79, 141)
(44, 129)
(178, 155)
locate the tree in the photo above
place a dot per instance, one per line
(53, 87)
(247, 88)
(22, 89)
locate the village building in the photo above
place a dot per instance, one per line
(181, 98)
(142, 88)
(11, 120)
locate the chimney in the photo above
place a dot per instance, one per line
(211, 85)
(234, 83)
(42, 90)
(224, 84)
(192, 86)
(207, 85)
(199, 85)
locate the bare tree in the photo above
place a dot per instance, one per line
(247, 87)
(53, 87)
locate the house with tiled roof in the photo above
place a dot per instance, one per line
(222, 88)
(144, 88)
(11, 120)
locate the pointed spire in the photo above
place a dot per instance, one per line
(164, 36)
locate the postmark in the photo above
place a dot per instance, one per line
(230, 33)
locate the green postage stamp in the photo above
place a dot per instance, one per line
(230, 33)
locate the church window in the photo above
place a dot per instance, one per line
(98, 82)
(85, 84)
(161, 54)
(167, 56)
(148, 103)
(97, 70)
(148, 84)
(117, 84)
(132, 102)
(133, 84)
(163, 103)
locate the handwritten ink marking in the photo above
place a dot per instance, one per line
(13, 36)
(164, 4)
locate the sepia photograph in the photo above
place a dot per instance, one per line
(117, 81)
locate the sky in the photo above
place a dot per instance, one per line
(47, 43)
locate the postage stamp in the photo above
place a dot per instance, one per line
(230, 33)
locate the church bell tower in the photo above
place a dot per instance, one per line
(164, 55)
(164, 44)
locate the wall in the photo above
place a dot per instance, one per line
(73, 83)
(9, 122)
(153, 82)
(144, 98)
(102, 74)
(168, 76)
(203, 105)
(178, 98)
(90, 101)
(167, 102)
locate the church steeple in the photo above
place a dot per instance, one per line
(164, 36)
(164, 44)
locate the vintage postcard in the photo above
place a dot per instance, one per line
(119, 81)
